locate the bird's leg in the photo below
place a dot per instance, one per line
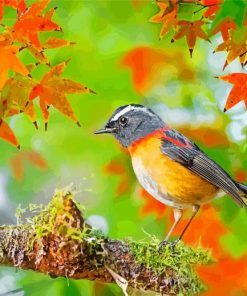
(177, 217)
(195, 209)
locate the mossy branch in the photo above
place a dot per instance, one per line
(59, 242)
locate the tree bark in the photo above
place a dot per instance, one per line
(58, 242)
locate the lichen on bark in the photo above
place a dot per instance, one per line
(57, 241)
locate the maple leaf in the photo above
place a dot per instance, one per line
(52, 89)
(152, 205)
(31, 21)
(54, 42)
(214, 224)
(117, 167)
(18, 162)
(208, 136)
(39, 54)
(241, 176)
(231, 282)
(235, 47)
(167, 16)
(7, 134)
(49, 14)
(151, 67)
(224, 27)
(20, 5)
(15, 97)
(7, 38)
(239, 90)
(10, 61)
(137, 4)
(190, 30)
(212, 6)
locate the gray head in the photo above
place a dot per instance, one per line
(131, 122)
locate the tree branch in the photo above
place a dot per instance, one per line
(59, 242)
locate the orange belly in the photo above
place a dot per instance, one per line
(167, 179)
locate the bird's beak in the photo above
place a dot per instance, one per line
(106, 130)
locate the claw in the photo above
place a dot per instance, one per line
(174, 243)
(165, 243)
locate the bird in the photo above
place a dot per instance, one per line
(169, 166)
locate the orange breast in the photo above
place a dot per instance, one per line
(179, 182)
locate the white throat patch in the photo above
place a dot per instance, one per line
(127, 109)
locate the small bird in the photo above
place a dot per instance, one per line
(169, 166)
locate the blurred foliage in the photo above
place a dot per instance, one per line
(119, 55)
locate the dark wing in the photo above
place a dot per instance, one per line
(190, 156)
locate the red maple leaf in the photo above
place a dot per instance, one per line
(239, 90)
(212, 6)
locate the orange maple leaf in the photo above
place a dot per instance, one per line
(31, 21)
(167, 16)
(190, 30)
(15, 97)
(239, 90)
(241, 176)
(52, 89)
(151, 67)
(18, 162)
(206, 222)
(7, 38)
(54, 42)
(208, 136)
(226, 277)
(119, 168)
(224, 27)
(10, 61)
(7, 134)
(235, 46)
(152, 205)
(137, 4)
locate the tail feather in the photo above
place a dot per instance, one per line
(243, 188)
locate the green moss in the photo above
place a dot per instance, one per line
(61, 216)
(43, 223)
(179, 258)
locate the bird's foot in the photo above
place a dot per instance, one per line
(165, 243)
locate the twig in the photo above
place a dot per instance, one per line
(58, 242)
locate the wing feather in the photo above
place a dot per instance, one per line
(199, 163)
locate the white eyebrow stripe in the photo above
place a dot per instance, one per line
(127, 109)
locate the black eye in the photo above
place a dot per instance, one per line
(123, 121)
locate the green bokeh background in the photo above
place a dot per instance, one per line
(105, 31)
